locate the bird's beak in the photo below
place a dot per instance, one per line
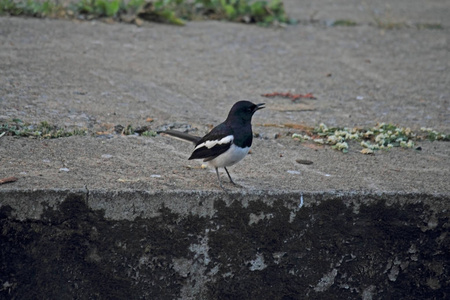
(260, 106)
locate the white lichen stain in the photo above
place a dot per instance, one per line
(93, 256)
(394, 268)
(213, 271)
(292, 216)
(201, 250)
(143, 260)
(194, 270)
(258, 263)
(326, 281)
(367, 293)
(393, 273)
(255, 218)
(433, 283)
(433, 222)
(228, 274)
(182, 266)
(356, 207)
(413, 251)
(277, 257)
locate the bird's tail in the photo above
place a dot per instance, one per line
(181, 135)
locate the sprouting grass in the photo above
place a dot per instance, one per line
(344, 22)
(149, 133)
(98, 8)
(380, 137)
(388, 21)
(132, 130)
(29, 8)
(42, 130)
(45, 130)
(431, 26)
(170, 11)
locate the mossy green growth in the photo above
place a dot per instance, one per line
(169, 11)
(42, 130)
(380, 137)
(431, 26)
(347, 23)
(261, 11)
(129, 130)
(433, 135)
(98, 8)
(149, 133)
(29, 8)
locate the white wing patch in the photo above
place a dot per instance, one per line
(209, 144)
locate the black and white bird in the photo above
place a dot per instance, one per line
(228, 142)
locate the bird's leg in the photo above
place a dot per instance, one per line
(218, 177)
(231, 180)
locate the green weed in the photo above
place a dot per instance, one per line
(149, 133)
(431, 26)
(29, 8)
(129, 130)
(170, 11)
(347, 23)
(133, 6)
(380, 137)
(42, 130)
(98, 8)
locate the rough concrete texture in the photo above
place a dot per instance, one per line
(106, 216)
(191, 245)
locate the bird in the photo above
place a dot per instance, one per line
(227, 143)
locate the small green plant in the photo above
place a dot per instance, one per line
(162, 11)
(431, 26)
(347, 23)
(380, 137)
(149, 133)
(98, 8)
(29, 8)
(433, 135)
(43, 130)
(7, 6)
(129, 130)
(133, 6)
(169, 11)
(260, 11)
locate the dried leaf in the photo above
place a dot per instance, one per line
(8, 179)
(298, 126)
(367, 151)
(313, 146)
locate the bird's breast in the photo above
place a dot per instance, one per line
(229, 157)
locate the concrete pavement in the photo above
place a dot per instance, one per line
(112, 216)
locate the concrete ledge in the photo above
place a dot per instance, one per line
(79, 222)
(210, 245)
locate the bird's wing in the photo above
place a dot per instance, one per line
(214, 143)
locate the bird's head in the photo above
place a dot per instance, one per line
(244, 110)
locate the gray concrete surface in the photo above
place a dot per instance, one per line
(95, 75)
(72, 192)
